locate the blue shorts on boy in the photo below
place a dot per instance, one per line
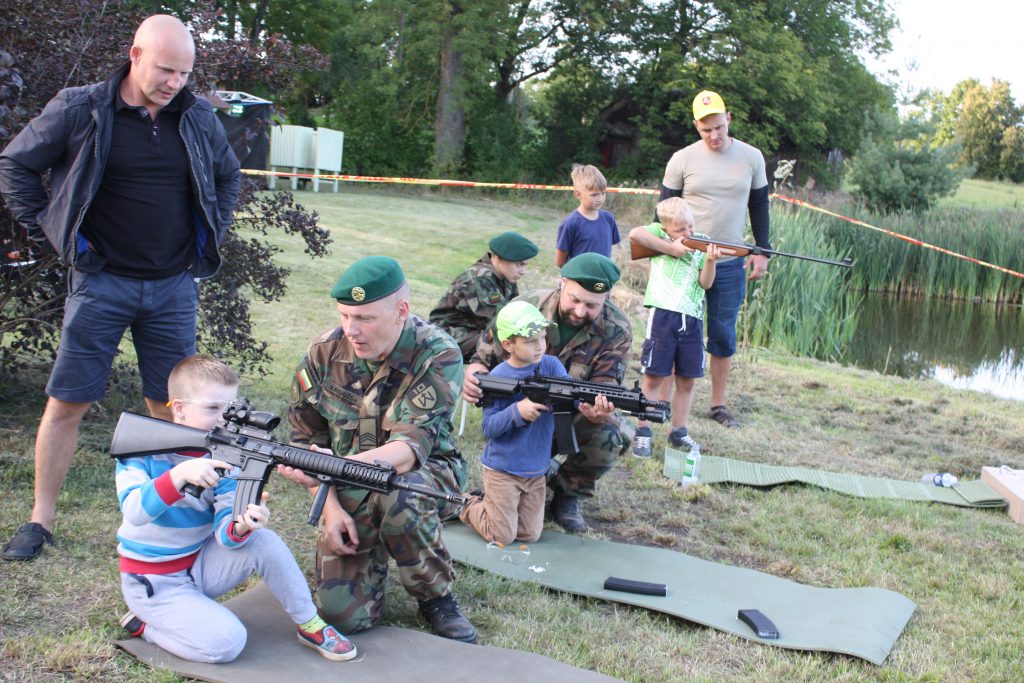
(179, 553)
(674, 344)
(579, 235)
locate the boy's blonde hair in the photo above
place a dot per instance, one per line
(588, 178)
(198, 371)
(675, 210)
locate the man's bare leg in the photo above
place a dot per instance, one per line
(159, 409)
(720, 368)
(55, 446)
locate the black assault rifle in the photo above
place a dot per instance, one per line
(561, 396)
(245, 442)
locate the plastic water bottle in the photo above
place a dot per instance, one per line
(691, 467)
(944, 479)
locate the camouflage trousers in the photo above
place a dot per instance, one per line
(600, 445)
(400, 525)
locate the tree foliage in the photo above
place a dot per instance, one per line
(985, 121)
(50, 45)
(522, 88)
(896, 167)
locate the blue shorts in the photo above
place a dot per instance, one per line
(673, 341)
(161, 315)
(723, 306)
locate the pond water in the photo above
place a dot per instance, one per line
(959, 343)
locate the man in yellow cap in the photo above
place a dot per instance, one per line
(593, 338)
(722, 179)
(381, 387)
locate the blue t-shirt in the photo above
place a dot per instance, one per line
(515, 446)
(579, 235)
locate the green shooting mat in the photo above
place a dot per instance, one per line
(387, 654)
(862, 622)
(714, 470)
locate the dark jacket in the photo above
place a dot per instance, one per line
(71, 139)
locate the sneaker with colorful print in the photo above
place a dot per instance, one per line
(326, 640)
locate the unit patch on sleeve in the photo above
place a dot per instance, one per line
(423, 396)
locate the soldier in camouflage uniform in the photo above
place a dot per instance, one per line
(593, 339)
(475, 296)
(381, 387)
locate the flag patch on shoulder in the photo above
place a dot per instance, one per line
(304, 382)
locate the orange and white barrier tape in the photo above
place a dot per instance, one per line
(615, 190)
(890, 233)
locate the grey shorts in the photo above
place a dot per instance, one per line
(161, 315)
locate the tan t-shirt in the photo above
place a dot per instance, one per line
(717, 186)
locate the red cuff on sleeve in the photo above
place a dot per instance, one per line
(166, 490)
(233, 537)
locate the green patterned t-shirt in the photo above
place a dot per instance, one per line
(674, 282)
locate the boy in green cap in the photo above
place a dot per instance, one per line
(476, 295)
(592, 338)
(518, 433)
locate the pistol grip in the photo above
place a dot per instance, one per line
(317, 507)
(196, 491)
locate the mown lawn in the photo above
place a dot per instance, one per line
(987, 193)
(963, 568)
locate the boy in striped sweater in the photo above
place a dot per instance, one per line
(178, 552)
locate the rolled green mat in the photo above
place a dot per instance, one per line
(716, 470)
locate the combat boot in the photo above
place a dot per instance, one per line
(566, 511)
(447, 620)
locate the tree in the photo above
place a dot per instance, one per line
(985, 114)
(896, 169)
(1011, 158)
(54, 44)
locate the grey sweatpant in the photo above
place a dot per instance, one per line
(180, 610)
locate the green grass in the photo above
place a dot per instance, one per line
(58, 616)
(988, 194)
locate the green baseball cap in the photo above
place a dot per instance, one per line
(367, 280)
(520, 319)
(512, 246)
(594, 272)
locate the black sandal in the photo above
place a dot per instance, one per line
(28, 542)
(723, 417)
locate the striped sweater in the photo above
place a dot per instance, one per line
(162, 529)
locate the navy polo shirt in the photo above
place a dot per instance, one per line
(141, 217)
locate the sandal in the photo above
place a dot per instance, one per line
(28, 542)
(723, 417)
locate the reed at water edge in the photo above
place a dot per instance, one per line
(890, 265)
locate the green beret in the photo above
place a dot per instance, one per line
(368, 279)
(594, 272)
(512, 246)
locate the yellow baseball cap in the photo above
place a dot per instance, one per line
(707, 103)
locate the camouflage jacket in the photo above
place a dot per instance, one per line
(338, 403)
(598, 352)
(472, 300)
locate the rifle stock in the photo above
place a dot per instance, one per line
(255, 457)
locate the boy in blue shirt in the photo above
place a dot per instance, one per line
(178, 552)
(519, 433)
(588, 228)
(674, 343)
